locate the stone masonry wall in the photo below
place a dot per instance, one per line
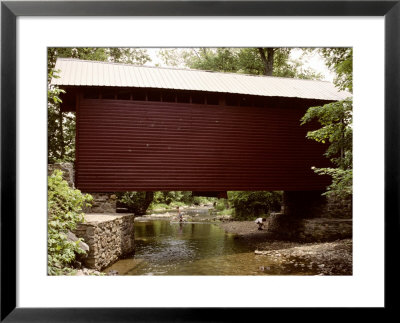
(283, 227)
(326, 229)
(102, 203)
(109, 237)
(339, 208)
(312, 204)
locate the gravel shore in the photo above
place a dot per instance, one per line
(327, 258)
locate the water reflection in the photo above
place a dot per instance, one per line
(168, 248)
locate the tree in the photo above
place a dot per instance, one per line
(249, 204)
(268, 60)
(336, 121)
(340, 60)
(212, 59)
(136, 202)
(256, 61)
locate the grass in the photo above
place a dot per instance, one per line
(226, 212)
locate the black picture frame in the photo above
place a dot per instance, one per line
(10, 10)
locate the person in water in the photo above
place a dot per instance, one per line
(180, 227)
(180, 215)
(260, 222)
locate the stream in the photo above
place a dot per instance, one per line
(197, 247)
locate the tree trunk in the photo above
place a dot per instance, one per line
(149, 198)
(268, 60)
(61, 130)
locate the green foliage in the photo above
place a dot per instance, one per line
(113, 54)
(340, 60)
(139, 202)
(336, 125)
(230, 212)
(61, 127)
(221, 205)
(54, 133)
(167, 197)
(136, 202)
(336, 120)
(161, 206)
(236, 60)
(175, 57)
(250, 204)
(127, 55)
(172, 199)
(64, 212)
(198, 200)
(214, 59)
(295, 69)
(342, 181)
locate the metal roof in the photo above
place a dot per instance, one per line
(93, 73)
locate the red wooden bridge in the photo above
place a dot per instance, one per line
(151, 129)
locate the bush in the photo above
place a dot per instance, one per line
(221, 205)
(250, 204)
(199, 200)
(230, 212)
(167, 197)
(136, 202)
(64, 212)
(172, 199)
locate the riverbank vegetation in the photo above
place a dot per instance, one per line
(64, 208)
(141, 202)
(248, 205)
(336, 120)
(172, 199)
(240, 205)
(252, 204)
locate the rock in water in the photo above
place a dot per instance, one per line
(257, 252)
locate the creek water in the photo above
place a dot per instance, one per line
(167, 247)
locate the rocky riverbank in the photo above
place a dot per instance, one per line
(88, 272)
(323, 258)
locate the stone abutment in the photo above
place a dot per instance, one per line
(109, 235)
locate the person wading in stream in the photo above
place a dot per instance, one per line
(260, 222)
(180, 215)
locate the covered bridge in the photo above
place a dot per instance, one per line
(144, 128)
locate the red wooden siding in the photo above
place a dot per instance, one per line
(145, 146)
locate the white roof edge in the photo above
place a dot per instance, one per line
(158, 77)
